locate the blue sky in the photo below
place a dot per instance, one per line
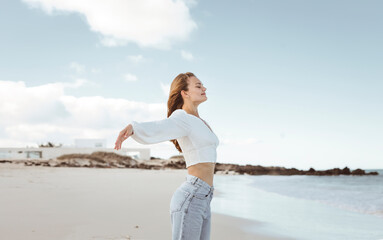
(289, 83)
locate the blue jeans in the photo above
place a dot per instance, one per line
(190, 210)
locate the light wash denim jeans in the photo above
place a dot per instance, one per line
(190, 210)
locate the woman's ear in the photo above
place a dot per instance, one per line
(184, 94)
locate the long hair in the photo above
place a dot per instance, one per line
(175, 100)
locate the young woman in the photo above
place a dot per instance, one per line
(190, 204)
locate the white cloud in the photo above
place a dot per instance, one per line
(187, 55)
(32, 115)
(130, 77)
(79, 82)
(148, 23)
(136, 58)
(113, 42)
(19, 103)
(165, 89)
(77, 67)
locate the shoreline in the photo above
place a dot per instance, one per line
(80, 203)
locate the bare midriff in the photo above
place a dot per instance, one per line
(204, 171)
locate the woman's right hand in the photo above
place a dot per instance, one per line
(124, 134)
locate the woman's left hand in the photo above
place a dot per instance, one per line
(124, 134)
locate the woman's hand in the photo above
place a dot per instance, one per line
(124, 134)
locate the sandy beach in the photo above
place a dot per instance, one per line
(83, 203)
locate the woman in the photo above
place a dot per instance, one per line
(190, 203)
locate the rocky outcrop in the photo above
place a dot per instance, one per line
(259, 170)
(113, 160)
(94, 160)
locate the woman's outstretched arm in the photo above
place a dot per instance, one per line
(176, 126)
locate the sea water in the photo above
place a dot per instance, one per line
(305, 207)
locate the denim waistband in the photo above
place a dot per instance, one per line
(199, 182)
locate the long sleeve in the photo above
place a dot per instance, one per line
(176, 126)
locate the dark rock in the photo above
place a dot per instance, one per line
(96, 159)
(345, 171)
(358, 172)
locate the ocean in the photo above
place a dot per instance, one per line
(306, 207)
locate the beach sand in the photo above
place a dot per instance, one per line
(83, 203)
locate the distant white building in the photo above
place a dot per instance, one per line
(82, 146)
(89, 143)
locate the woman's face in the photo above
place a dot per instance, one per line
(197, 92)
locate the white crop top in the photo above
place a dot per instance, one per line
(197, 141)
